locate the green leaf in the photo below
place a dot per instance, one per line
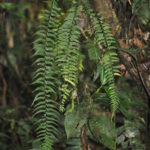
(103, 76)
(97, 72)
(94, 53)
(75, 120)
(103, 130)
(8, 6)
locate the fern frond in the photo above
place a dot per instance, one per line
(110, 70)
(69, 57)
(45, 106)
(107, 44)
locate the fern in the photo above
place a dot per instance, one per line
(59, 62)
(45, 106)
(68, 57)
(107, 44)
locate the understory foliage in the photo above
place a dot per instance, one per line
(82, 100)
(60, 56)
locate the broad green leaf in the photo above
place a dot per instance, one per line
(104, 131)
(75, 120)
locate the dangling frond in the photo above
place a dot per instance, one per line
(68, 57)
(45, 106)
(110, 70)
(107, 44)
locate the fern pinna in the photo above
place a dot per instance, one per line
(45, 106)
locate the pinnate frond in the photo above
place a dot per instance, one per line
(45, 105)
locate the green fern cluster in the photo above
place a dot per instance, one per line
(59, 62)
